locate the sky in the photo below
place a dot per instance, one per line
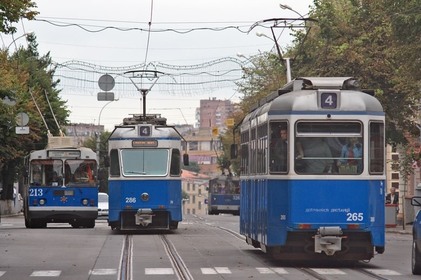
(193, 44)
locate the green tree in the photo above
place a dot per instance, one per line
(356, 38)
(11, 11)
(28, 79)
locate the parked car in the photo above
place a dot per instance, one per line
(102, 204)
(416, 237)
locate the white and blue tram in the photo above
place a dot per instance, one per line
(61, 187)
(224, 195)
(145, 174)
(318, 194)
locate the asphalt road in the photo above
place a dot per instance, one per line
(207, 247)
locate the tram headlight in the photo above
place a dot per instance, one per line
(144, 196)
(85, 201)
(42, 201)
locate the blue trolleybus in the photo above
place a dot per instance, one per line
(61, 187)
(224, 195)
(145, 174)
(313, 172)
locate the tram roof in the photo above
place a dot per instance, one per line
(132, 131)
(299, 95)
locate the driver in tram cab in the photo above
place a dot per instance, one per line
(80, 175)
(280, 150)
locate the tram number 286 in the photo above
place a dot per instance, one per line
(130, 199)
(354, 217)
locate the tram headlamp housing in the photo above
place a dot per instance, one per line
(42, 201)
(85, 202)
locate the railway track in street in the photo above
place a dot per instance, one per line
(126, 262)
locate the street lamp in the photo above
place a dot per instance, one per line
(287, 59)
(286, 7)
(248, 59)
(100, 112)
(14, 40)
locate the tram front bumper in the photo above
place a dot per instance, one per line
(328, 240)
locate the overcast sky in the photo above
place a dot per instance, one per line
(108, 35)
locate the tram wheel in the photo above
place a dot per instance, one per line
(173, 225)
(90, 224)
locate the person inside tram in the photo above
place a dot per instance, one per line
(315, 154)
(280, 151)
(80, 175)
(351, 155)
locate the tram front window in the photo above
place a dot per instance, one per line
(80, 172)
(144, 162)
(46, 172)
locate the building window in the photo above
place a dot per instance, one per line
(395, 176)
(199, 205)
(395, 185)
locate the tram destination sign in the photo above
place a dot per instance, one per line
(144, 143)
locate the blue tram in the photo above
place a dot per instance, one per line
(145, 174)
(224, 195)
(313, 172)
(61, 187)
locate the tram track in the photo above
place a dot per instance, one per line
(180, 268)
(308, 271)
(125, 269)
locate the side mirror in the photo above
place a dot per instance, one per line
(186, 159)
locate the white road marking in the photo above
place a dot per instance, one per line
(328, 271)
(208, 270)
(271, 270)
(265, 270)
(383, 272)
(223, 270)
(103, 271)
(46, 273)
(279, 270)
(2, 273)
(159, 271)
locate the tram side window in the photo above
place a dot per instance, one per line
(278, 152)
(262, 148)
(244, 152)
(175, 169)
(376, 152)
(114, 163)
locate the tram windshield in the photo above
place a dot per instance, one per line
(50, 172)
(335, 148)
(224, 186)
(144, 162)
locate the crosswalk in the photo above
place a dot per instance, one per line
(207, 271)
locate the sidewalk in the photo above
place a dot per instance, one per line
(400, 229)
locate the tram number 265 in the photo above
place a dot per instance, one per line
(354, 217)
